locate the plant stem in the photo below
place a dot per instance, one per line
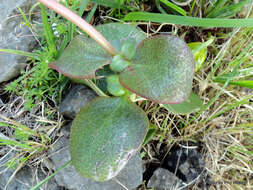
(95, 88)
(77, 20)
(90, 83)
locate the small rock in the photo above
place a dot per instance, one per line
(13, 35)
(77, 97)
(130, 176)
(190, 164)
(163, 179)
(24, 179)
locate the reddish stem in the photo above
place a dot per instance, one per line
(77, 20)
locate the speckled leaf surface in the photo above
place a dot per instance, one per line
(81, 58)
(104, 135)
(162, 70)
(84, 56)
(192, 104)
(117, 34)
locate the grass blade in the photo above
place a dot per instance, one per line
(158, 6)
(91, 13)
(174, 7)
(36, 187)
(151, 132)
(22, 53)
(228, 11)
(110, 3)
(242, 83)
(83, 7)
(48, 31)
(219, 4)
(14, 143)
(230, 107)
(188, 21)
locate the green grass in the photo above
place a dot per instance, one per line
(188, 21)
(226, 9)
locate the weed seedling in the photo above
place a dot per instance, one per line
(109, 130)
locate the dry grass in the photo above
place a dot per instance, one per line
(44, 131)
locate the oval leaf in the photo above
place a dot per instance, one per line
(81, 58)
(104, 135)
(84, 56)
(192, 104)
(117, 34)
(162, 70)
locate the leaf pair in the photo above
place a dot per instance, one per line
(108, 131)
(162, 69)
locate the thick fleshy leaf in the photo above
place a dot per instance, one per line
(192, 104)
(117, 34)
(81, 58)
(162, 70)
(104, 135)
(84, 56)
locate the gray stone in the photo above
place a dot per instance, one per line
(190, 164)
(24, 179)
(130, 176)
(163, 179)
(77, 97)
(13, 35)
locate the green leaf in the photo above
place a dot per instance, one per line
(23, 133)
(118, 34)
(118, 63)
(104, 135)
(227, 10)
(84, 56)
(113, 85)
(128, 50)
(192, 104)
(20, 135)
(199, 51)
(22, 53)
(188, 21)
(81, 58)
(199, 56)
(174, 7)
(242, 83)
(151, 131)
(14, 143)
(110, 3)
(161, 71)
